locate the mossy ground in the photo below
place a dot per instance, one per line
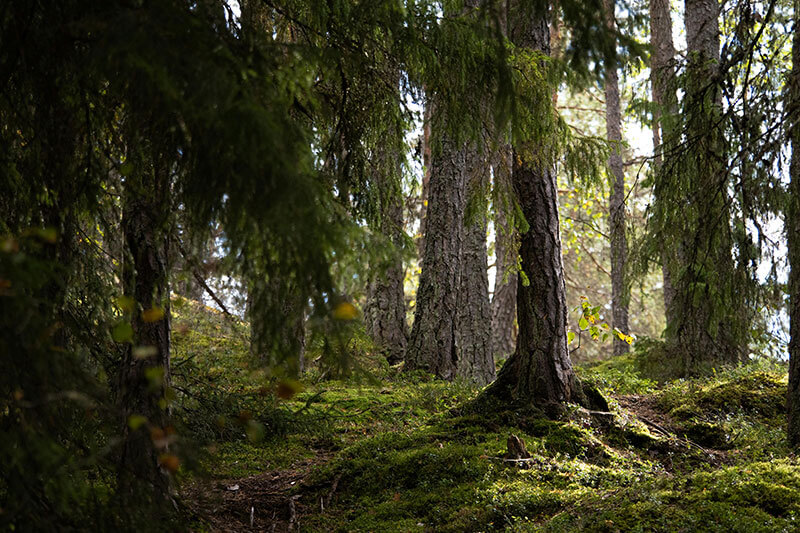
(392, 453)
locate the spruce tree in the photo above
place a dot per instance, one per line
(792, 224)
(616, 208)
(539, 373)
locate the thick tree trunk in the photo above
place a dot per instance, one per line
(451, 332)
(385, 312)
(506, 251)
(539, 373)
(474, 317)
(703, 331)
(616, 208)
(792, 222)
(662, 75)
(144, 373)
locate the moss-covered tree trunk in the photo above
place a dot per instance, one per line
(792, 223)
(709, 319)
(616, 207)
(539, 373)
(662, 76)
(145, 367)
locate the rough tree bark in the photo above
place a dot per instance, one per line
(145, 369)
(539, 373)
(473, 312)
(506, 246)
(616, 207)
(506, 243)
(431, 345)
(792, 222)
(426, 178)
(450, 335)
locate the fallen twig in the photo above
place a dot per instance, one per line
(292, 512)
(333, 489)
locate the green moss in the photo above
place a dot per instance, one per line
(755, 497)
(618, 375)
(242, 459)
(413, 454)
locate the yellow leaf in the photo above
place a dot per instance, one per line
(169, 462)
(153, 315)
(345, 311)
(136, 421)
(288, 388)
(144, 352)
(126, 303)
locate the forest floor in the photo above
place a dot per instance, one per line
(392, 452)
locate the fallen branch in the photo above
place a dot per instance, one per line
(292, 512)
(200, 280)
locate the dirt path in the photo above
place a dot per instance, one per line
(645, 408)
(263, 502)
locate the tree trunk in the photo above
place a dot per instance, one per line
(539, 373)
(616, 208)
(426, 177)
(474, 316)
(506, 247)
(662, 76)
(431, 345)
(385, 312)
(792, 222)
(703, 331)
(450, 335)
(277, 341)
(144, 373)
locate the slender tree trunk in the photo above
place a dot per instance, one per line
(792, 223)
(539, 373)
(616, 215)
(385, 312)
(426, 177)
(506, 250)
(277, 340)
(144, 373)
(506, 243)
(431, 345)
(662, 76)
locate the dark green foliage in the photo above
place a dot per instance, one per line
(53, 415)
